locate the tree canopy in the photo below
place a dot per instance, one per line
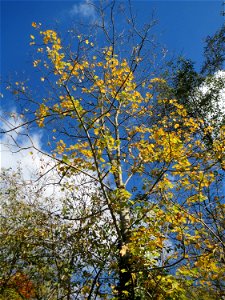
(152, 224)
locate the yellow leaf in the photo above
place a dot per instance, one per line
(124, 250)
(34, 24)
(32, 37)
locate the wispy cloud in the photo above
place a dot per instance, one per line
(207, 88)
(15, 147)
(84, 9)
(18, 150)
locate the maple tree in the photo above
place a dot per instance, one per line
(158, 202)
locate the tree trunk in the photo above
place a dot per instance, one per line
(126, 284)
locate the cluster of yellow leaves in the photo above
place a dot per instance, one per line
(170, 287)
(206, 269)
(118, 82)
(51, 38)
(78, 155)
(157, 80)
(205, 263)
(61, 146)
(68, 103)
(41, 113)
(147, 240)
(53, 47)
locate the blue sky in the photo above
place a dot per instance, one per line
(182, 27)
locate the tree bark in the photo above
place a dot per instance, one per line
(126, 284)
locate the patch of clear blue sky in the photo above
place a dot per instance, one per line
(182, 26)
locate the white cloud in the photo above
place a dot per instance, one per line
(16, 147)
(39, 172)
(208, 87)
(84, 9)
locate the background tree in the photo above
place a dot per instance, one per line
(45, 252)
(214, 53)
(201, 92)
